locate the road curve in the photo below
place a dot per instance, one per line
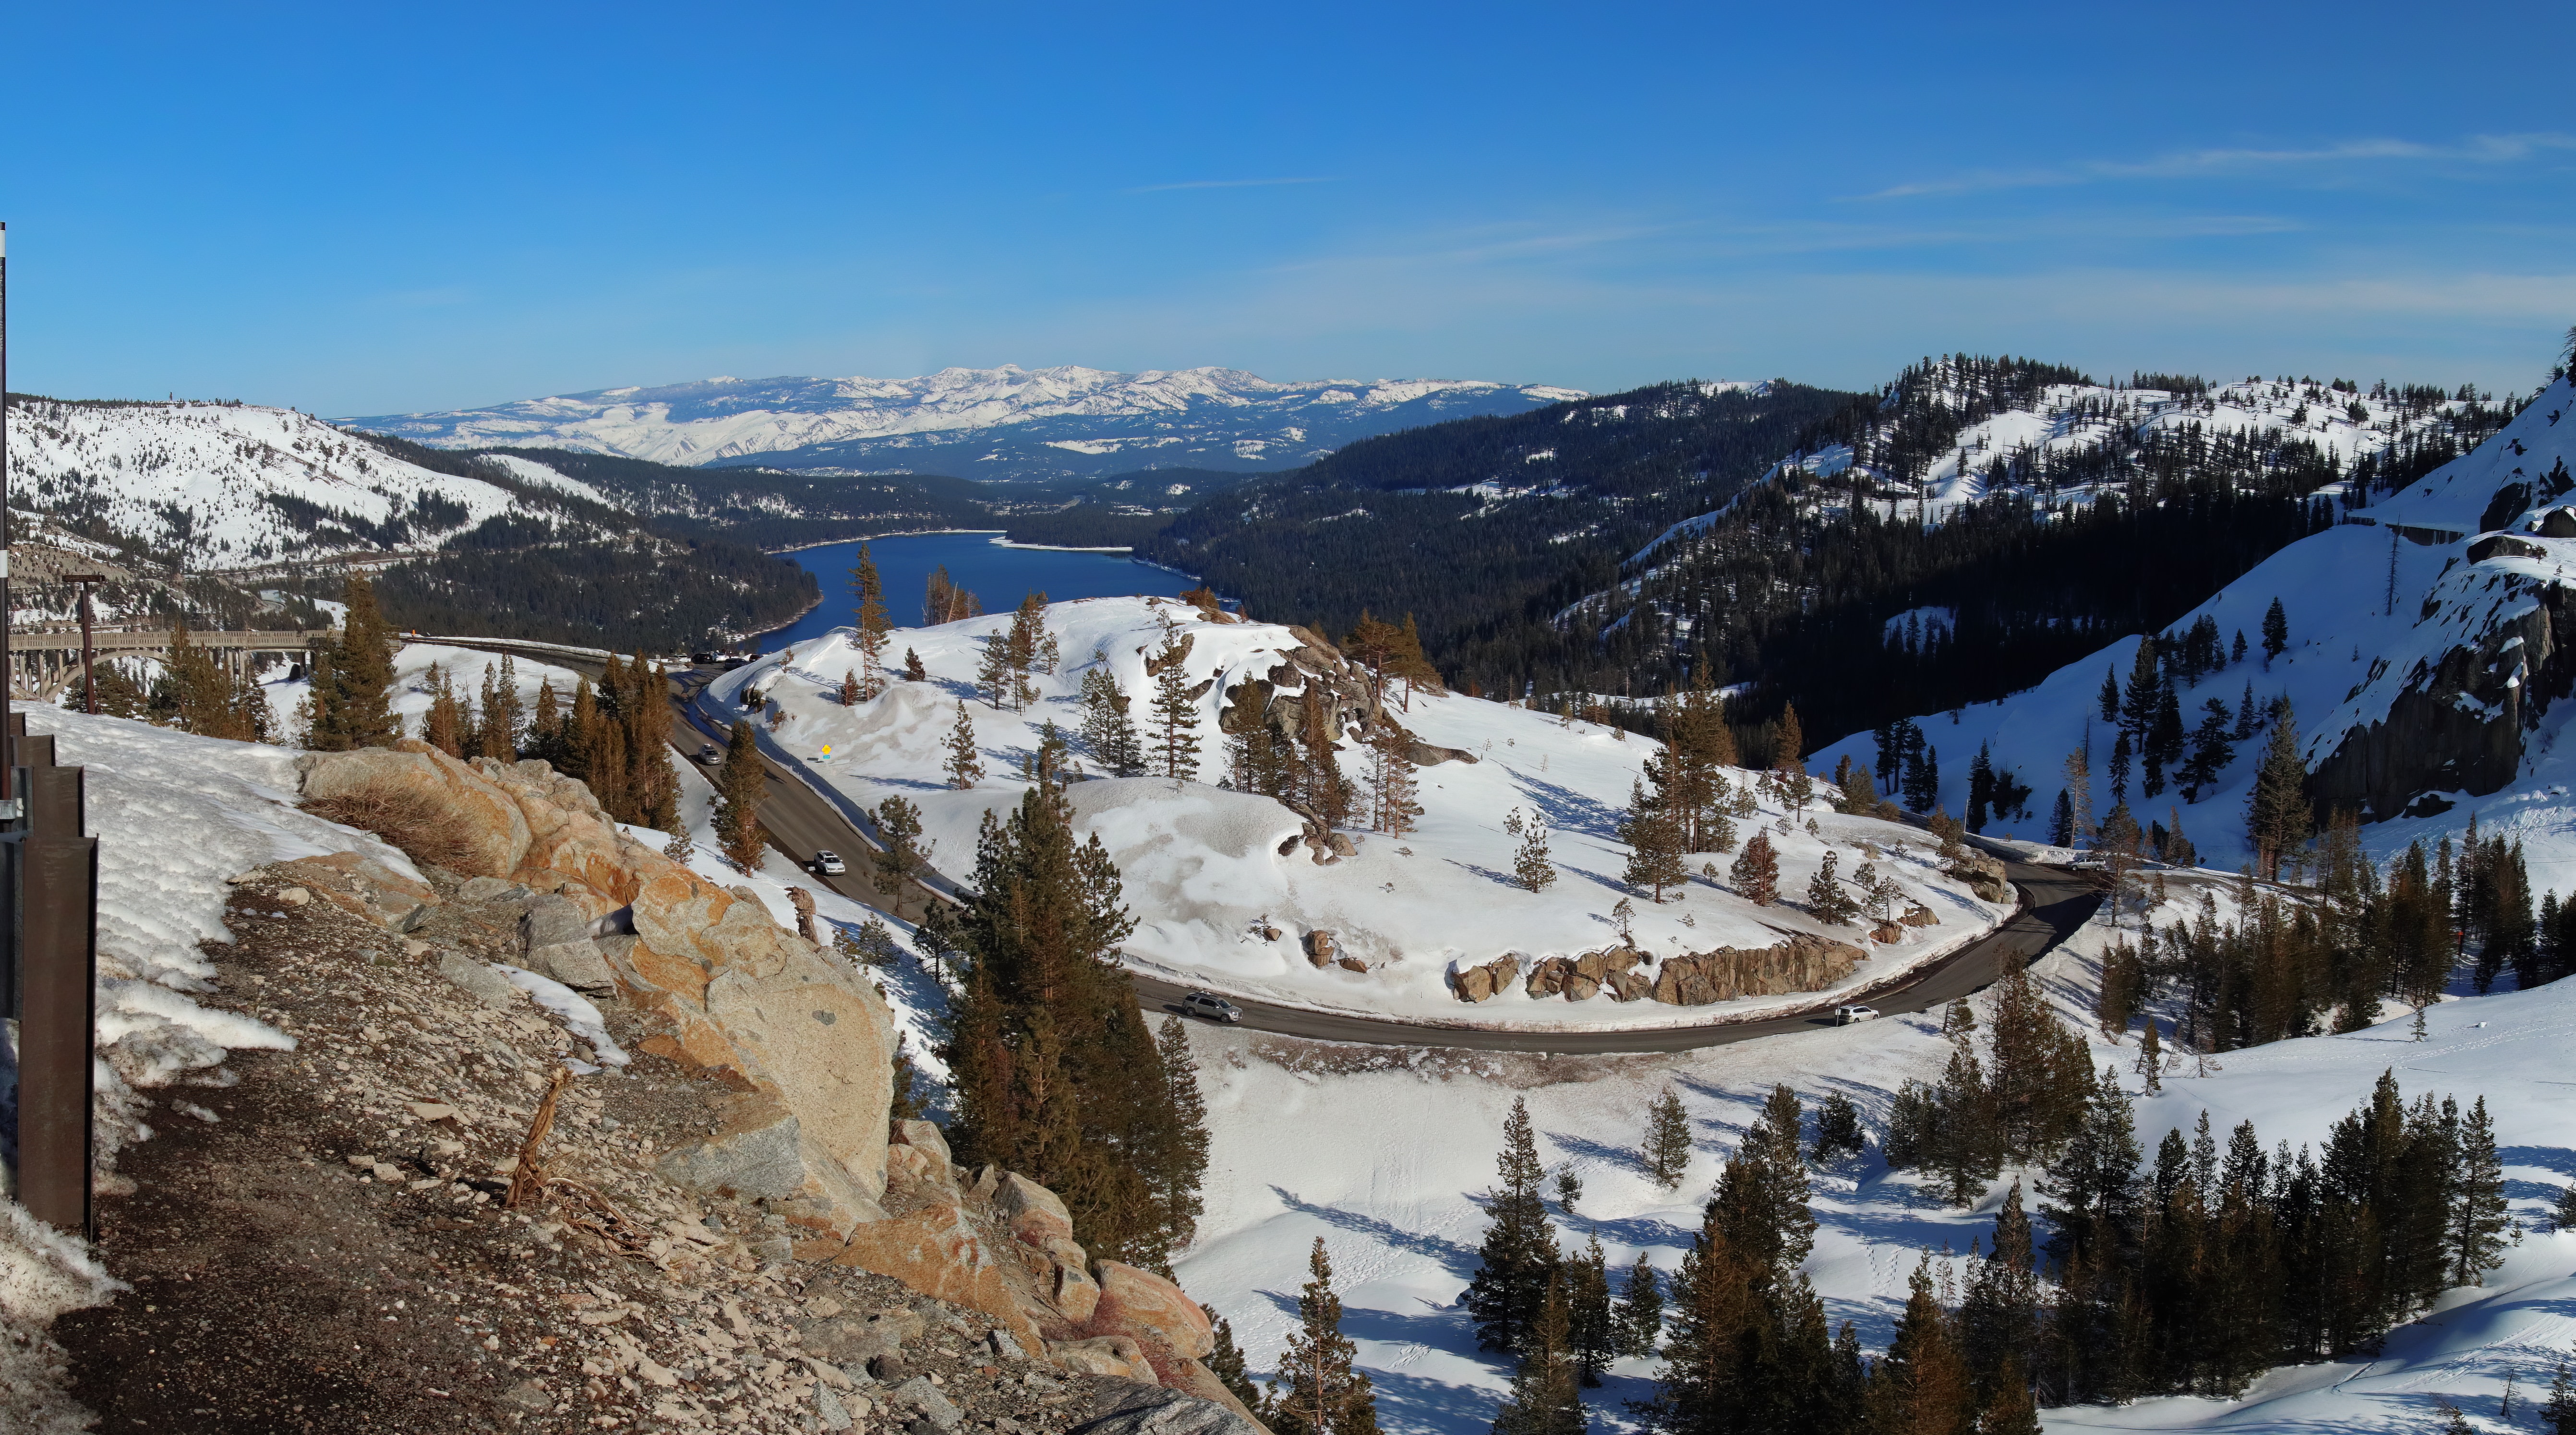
(2054, 903)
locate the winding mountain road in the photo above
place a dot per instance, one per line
(2055, 902)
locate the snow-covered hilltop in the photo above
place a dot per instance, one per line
(234, 485)
(981, 423)
(1229, 891)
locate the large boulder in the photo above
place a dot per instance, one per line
(1113, 1355)
(1142, 1304)
(1483, 983)
(482, 831)
(720, 986)
(1033, 1213)
(937, 1252)
(1144, 1410)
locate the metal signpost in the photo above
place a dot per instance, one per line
(48, 922)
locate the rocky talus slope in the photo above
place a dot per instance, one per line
(459, 1203)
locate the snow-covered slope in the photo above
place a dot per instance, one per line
(1203, 866)
(2417, 712)
(232, 485)
(980, 423)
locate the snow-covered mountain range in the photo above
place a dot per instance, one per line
(1005, 423)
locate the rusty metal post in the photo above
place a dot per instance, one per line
(53, 890)
(89, 678)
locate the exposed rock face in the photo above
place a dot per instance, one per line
(2458, 723)
(807, 1044)
(938, 1252)
(1919, 915)
(1429, 755)
(556, 931)
(1580, 978)
(1102, 1355)
(1800, 964)
(1886, 932)
(366, 887)
(1983, 874)
(1171, 1412)
(1319, 947)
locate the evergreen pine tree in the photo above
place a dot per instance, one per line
(850, 693)
(1318, 1392)
(913, 669)
(2277, 814)
(1544, 1398)
(965, 760)
(1998, 1320)
(873, 626)
(1176, 713)
(1591, 1330)
(1185, 1153)
(2559, 1414)
(1530, 865)
(1394, 789)
(1519, 1255)
(1225, 1362)
(1756, 871)
(1666, 1151)
(353, 672)
(1789, 744)
(1838, 1131)
(739, 788)
(2061, 821)
(2478, 1219)
(1921, 1385)
(1827, 901)
(1654, 844)
(1639, 1324)
(1056, 1074)
(2110, 700)
(899, 829)
(2151, 1058)
(443, 726)
(2276, 633)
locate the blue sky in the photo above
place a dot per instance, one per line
(359, 209)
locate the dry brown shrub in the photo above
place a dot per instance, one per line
(403, 816)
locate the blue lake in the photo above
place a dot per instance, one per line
(999, 576)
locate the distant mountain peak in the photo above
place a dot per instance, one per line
(1007, 422)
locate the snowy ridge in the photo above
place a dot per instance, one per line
(228, 486)
(1213, 416)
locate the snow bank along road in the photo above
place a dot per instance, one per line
(2054, 903)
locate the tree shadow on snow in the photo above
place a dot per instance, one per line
(1567, 810)
(1453, 1257)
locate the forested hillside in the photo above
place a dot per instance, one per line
(1991, 520)
(1485, 528)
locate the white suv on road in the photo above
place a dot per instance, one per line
(1211, 1006)
(1846, 1015)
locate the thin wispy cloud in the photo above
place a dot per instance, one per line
(2477, 149)
(1229, 184)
